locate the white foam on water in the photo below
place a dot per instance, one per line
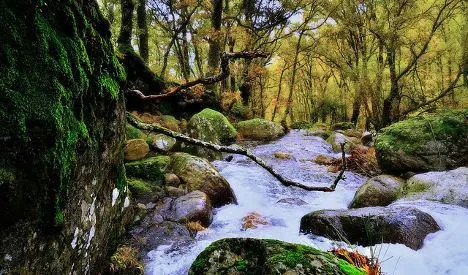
(444, 252)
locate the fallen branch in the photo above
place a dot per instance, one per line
(236, 150)
(225, 58)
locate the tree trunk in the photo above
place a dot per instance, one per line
(143, 46)
(392, 101)
(125, 35)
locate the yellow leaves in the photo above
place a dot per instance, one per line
(253, 220)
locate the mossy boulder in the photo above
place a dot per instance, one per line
(424, 143)
(377, 191)
(199, 174)
(449, 187)
(133, 133)
(260, 129)
(144, 190)
(372, 225)
(152, 168)
(62, 112)
(136, 149)
(264, 256)
(211, 126)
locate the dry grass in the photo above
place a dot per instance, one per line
(195, 226)
(126, 261)
(361, 160)
(252, 220)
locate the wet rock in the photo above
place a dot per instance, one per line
(292, 201)
(260, 129)
(199, 174)
(162, 142)
(377, 191)
(449, 187)
(424, 143)
(175, 192)
(194, 206)
(171, 179)
(136, 149)
(335, 139)
(354, 133)
(282, 155)
(262, 257)
(372, 225)
(152, 169)
(319, 133)
(253, 220)
(367, 139)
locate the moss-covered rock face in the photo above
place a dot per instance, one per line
(263, 256)
(425, 143)
(62, 127)
(260, 129)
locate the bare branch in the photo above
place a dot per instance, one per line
(236, 150)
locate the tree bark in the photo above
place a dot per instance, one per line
(125, 35)
(237, 150)
(143, 46)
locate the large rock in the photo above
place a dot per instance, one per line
(424, 143)
(211, 126)
(145, 191)
(152, 169)
(62, 130)
(372, 225)
(336, 139)
(448, 186)
(162, 142)
(195, 206)
(262, 256)
(377, 191)
(199, 174)
(260, 129)
(136, 149)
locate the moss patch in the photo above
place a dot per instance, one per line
(134, 133)
(49, 85)
(151, 168)
(260, 129)
(210, 125)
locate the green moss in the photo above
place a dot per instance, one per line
(350, 269)
(212, 126)
(410, 135)
(138, 186)
(342, 125)
(152, 168)
(49, 85)
(170, 122)
(134, 133)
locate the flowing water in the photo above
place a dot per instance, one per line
(444, 252)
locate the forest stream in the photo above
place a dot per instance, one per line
(444, 252)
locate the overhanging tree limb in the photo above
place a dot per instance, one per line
(225, 58)
(237, 150)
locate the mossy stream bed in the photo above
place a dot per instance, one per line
(443, 252)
